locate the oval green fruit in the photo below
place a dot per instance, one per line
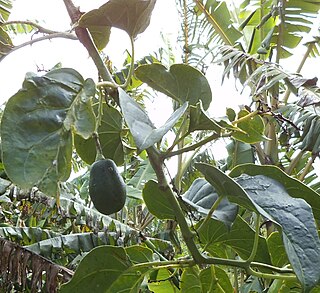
(106, 187)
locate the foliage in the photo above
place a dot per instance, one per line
(248, 222)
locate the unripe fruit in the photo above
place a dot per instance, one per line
(106, 187)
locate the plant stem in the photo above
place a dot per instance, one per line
(209, 215)
(157, 163)
(256, 240)
(244, 118)
(64, 35)
(307, 167)
(192, 147)
(86, 40)
(131, 68)
(303, 61)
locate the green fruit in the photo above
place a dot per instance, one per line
(106, 187)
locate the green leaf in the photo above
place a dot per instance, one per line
(293, 186)
(132, 278)
(225, 186)
(200, 121)
(81, 117)
(100, 35)
(110, 139)
(240, 238)
(253, 129)
(294, 215)
(36, 128)
(239, 153)
(156, 201)
(201, 195)
(160, 282)
(181, 82)
(142, 129)
(277, 251)
(139, 254)
(98, 270)
(211, 279)
(190, 281)
(132, 16)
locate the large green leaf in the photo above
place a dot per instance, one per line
(156, 201)
(145, 134)
(271, 199)
(240, 238)
(110, 139)
(181, 82)
(132, 16)
(293, 186)
(201, 195)
(98, 270)
(294, 215)
(37, 125)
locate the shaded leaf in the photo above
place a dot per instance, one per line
(277, 251)
(98, 270)
(240, 238)
(110, 139)
(100, 35)
(156, 201)
(293, 186)
(201, 195)
(200, 121)
(181, 82)
(295, 217)
(143, 131)
(132, 16)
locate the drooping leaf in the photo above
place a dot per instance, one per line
(294, 215)
(160, 282)
(139, 254)
(132, 16)
(294, 187)
(226, 186)
(181, 82)
(37, 124)
(200, 121)
(143, 131)
(109, 133)
(201, 195)
(98, 270)
(156, 201)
